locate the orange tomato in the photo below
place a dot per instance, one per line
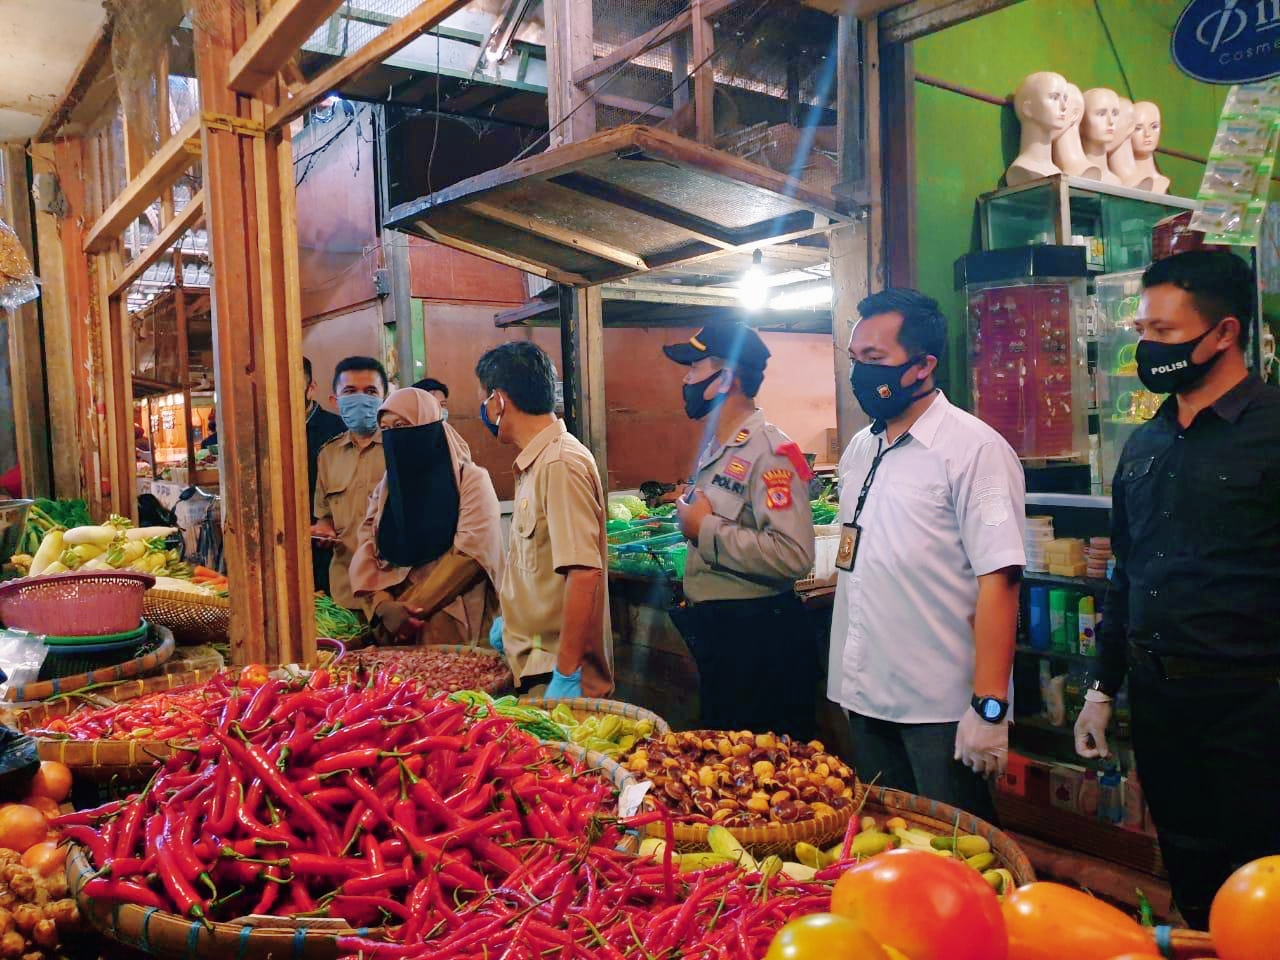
(52, 780)
(1244, 920)
(21, 827)
(823, 936)
(1048, 921)
(255, 675)
(44, 858)
(927, 907)
(46, 806)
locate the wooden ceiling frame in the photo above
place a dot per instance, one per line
(185, 220)
(268, 50)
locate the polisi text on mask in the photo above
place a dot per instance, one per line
(1170, 367)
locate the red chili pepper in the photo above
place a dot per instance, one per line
(377, 883)
(317, 865)
(184, 895)
(92, 840)
(123, 891)
(348, 760)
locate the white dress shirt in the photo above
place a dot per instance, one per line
(946, 507)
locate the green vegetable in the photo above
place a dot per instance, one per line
(635, 506)
(334, 621)
(618, 511)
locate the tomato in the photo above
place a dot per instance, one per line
(823, 936)
(928, 907)
(1244, 920)
(1047, 921)
(254, 675)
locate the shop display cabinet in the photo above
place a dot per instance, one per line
(1113, 224)
(1028, 373)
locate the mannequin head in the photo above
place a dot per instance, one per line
(1146, 128)
(1101, 116)
(1124, 124)
(1041, 99)
(1075, 104)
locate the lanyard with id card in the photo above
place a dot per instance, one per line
(851, 533)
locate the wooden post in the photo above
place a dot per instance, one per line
(59, 368)
(897, 131)
(397, 307)
(116, 337)
(850, 282)
(704, 77)
(582, 356)
(569, 48)
(26, 359)
(258, 345)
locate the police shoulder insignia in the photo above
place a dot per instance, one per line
(738, 468)
(778, 488)
(742, 437)
(792, 452)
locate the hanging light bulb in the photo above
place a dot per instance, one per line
(753, 286)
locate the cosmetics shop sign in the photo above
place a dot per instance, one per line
(1228, 41)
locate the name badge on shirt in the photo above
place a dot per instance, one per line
(847, 553)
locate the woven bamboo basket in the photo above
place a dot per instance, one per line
(1184, 944)
(126, 761)
(192, 618)
(368, 656)
(139, 666)
(168, 935)
(595, 761)
(943, 820)
(584, 707)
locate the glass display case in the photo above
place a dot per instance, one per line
(1113, 224)
(1123, 403)
(1028, 373)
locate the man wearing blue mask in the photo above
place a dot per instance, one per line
(930, 561)
(554, 594)
(349, 467)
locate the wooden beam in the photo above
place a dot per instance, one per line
(528, 266)
(250, 211)
(897, 143)
(570, 110)
(646, 41)
(917, 19)
(421, 18)
(560, 235)
(849, 285)
(191, 214)
(274, 41)
(704, 231)
(704, 74)
(582, 366)
(640, 108)
(26, 357)
(161, 171)
(116, 338)
(95, 58)
(874, 156)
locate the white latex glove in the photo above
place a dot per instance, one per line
(1091, 728)
(981, 746)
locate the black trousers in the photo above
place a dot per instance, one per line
(919, 758)
(1208, 757)
(757, 664)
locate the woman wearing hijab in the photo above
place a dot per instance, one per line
(429, 554)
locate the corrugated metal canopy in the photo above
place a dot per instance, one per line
(621, 203)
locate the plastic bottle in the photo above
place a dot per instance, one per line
(1123, 716)
(1040, 633)
(1059, 603)
(1090, 794)
(1111, 796)
(1135, 805)
(1088, 641)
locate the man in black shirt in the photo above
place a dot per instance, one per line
(1196, 535)
(322, 426)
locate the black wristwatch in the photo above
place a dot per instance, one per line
(1102, 688)
(990, 709)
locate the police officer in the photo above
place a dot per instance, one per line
(748, 521)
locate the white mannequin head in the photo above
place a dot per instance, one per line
(1124, 123)
(1041, 99)
(1075, 104)
(1101, 116)
(1146, 128)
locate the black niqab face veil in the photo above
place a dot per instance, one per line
(420, 510)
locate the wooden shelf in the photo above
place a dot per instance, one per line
(1084, 583)
(1089, 835)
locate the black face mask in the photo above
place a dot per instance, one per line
(696, 405)
(1168, 367)
(879, 391)
(420, 512)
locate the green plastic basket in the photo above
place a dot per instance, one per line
(138, 633)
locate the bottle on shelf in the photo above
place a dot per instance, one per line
(1087, 639)
(1040, 634)
(1111, 796)
(1090, 794)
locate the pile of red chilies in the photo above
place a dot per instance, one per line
(372, 804)
(184, 714)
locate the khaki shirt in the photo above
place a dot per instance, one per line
(558, 522)
(759, 539)
(345, 476)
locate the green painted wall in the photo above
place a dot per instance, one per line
(964, 145)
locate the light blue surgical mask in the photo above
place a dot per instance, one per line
(359, 412)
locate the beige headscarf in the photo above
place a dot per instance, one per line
(479, 533)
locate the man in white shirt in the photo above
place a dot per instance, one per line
(926, 607)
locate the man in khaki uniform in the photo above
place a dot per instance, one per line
(554, 596)
(750, 528)
(349, 467)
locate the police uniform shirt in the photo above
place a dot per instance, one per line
(759, 539)
(346, 473)
(946, 507)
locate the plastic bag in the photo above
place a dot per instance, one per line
(19, 760)
(17, 279)
(21, 657)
